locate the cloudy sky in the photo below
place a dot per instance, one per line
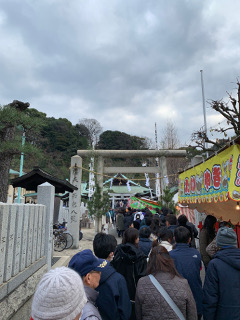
(126, 63)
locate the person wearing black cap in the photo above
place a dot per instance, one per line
(89, 268)
(222, 282)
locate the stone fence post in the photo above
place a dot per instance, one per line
(46, 193)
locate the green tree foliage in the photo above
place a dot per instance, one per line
(116, 140)
(83, 131)
(57, 141)
(98, 205)
(60, 141)
(167, 200)
(61, 135)
(50, 142)
(14, 119)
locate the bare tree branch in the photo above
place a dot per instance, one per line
(230, 111)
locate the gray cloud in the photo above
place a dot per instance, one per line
(127, 64)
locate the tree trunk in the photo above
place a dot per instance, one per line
(98, 224)
(5, 163)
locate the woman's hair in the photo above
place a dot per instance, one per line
(148, 213)
(155, 243)
(160, 261)
(136, 224)
(209, 224)
(130, 236)
(155, 225)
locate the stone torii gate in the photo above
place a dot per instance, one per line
(100, 155)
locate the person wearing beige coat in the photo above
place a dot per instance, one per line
(150, 304)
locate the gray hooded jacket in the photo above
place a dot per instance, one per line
(90, 311)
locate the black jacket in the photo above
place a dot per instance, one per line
(128, 220)
(131, 262)
(113, 301)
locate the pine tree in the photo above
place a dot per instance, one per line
(12, 117)
(167, 200)
(98, 206)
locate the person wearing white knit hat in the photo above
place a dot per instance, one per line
(59, 295)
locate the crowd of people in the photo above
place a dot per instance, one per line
(153, 274)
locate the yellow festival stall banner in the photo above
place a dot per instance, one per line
(217, 179)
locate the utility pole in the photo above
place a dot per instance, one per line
(157, 185)
(21, 166)
(204, 112)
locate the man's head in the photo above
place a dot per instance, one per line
(88, 267)
(171, 220)
(104, 246)
(182, 220)
(182, 235)
(145, 232)
(226, 237)
(165, 234)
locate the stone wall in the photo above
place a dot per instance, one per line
(17, 305)
(25, 251)
(22, 242)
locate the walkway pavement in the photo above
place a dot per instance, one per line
(62, 258)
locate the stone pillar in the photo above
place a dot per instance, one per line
(75, 200)
(4, 216)
(25, 232)
(163, 172)
(18, 239)
(113, 202)
(10, 242)
(100, 164)
(46, 193)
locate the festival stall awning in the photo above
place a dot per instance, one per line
(213, 186)
(138, 203)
